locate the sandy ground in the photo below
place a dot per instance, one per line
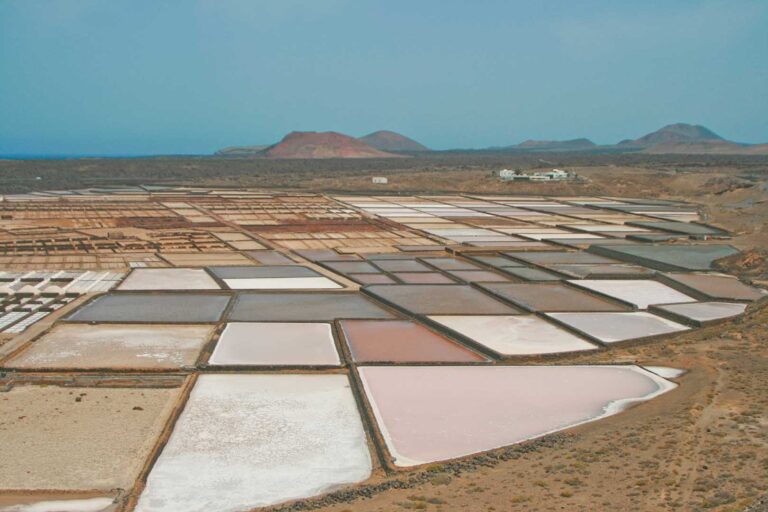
(78, 438)
(77, 346)
(69, 501)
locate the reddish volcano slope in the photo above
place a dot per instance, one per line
(323, 145)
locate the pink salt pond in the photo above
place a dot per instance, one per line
(428, 414)
(401, 341)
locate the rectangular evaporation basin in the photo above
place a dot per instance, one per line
(551, 297)
(497, 239)
(715, 286)
(434, 413)
(153, 307)
(545, 258)
(270, 258)
(423, 278)
(401, 341)
(700, 313)
(257, 440)
(450, 264)
(204, 259)
(478, 276)
(445, 299)
(518, 335)
(115, 346)
(169, 279)
(265, 272)
(352, 267)
(448, 233)
(641, 293)
(420, 248)
(275, 343)
(615, 327)
(531, 274)
(667, 257)
(371, 278)
(583, 244)
(686, 228)
(598, 271)
(496, 261)
(326, 255)
(653, 237)
(606, 228)
(587, 238)
(375, 257)
(282, 283)
(306, 307)
(402, 266)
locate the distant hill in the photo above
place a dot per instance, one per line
(679, 138)
(556, 145)
(386, 140)
(241, 150)
(679, 133)
(323, 145)
(682, 138)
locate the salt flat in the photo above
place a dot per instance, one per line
(169, 279)
(511, 335)
(639, 292)
(247, 441)
(276, 343)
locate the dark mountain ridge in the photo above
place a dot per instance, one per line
(387, 140)
(678, 138)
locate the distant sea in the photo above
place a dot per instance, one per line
(75, 157)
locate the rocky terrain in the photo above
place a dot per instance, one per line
(556, 145)
(241, 150)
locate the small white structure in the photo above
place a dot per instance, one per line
(379, 180)
(558, 174)
(553, 175)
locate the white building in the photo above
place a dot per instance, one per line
(553, 175)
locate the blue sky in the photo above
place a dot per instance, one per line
(153, 76)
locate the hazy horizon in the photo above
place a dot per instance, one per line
(85, 77)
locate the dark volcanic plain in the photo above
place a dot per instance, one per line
(703, 447)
